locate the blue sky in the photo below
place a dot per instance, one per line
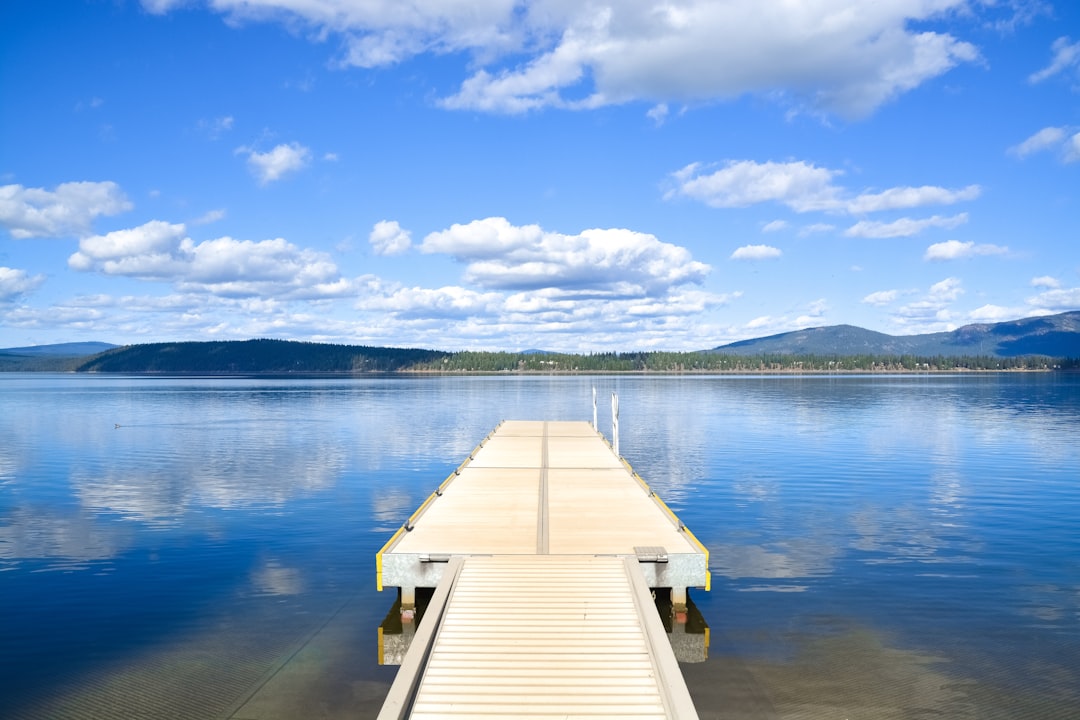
(499, 174)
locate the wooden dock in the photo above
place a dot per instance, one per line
(542, 547)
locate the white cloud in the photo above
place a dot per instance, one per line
(811, 315)
(881, 297)
(830, 55)
(904, 227)
(275, 164)
(388, 238)
(223, 266)
(658, 113)
(428, 303)
(1065, 141)
(1045, 281)
(993, 314)
(210, 216)
(68, 210)
(815, 228)
(15, 283)
(801, 186)
(1066, 56)
(931, 313)
(147, 251)
(217, 127)
(946, 290)
(1057, 300)
(756, 252)
(610, 261)
(911, 197)
(956, 250)
(841, 56)
(1045, 139)
(774, 226)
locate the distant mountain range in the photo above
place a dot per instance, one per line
(74, 349)
(1050, 335)
(61, 357)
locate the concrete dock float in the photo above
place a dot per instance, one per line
(543, 548)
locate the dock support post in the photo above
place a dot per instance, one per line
(408, 600)
(678, 600)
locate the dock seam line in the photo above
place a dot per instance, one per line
(542, 542)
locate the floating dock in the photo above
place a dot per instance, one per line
(544, 548)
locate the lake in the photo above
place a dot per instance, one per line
(881, 546)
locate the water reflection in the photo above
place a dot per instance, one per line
(782, 560)
(881, 547)
(274, 579)
(70, 540)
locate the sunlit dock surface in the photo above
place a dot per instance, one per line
(542, 547)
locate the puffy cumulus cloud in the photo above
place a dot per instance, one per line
(246, 268)
(1066, 57)
(756, 252)
(384, 32)
(430, 303)
(67, 210)
(388, 238)
(16, 283)
(801, 186)
(1064, 141)
(499, 255)
(565, 319)
(841, 56)
(276, 163)
(146, 251)
(904, 227)
(932, 312)
(223, 266)
(956, 250)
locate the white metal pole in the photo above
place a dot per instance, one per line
(615, 423)
(594, 424)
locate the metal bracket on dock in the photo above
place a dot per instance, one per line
(651, 553)
(435, 558)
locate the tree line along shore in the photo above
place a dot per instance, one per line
(280, 357)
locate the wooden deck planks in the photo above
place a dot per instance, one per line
(544, 610)
(517, 497)
(564, 666)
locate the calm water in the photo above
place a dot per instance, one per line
(882, 547)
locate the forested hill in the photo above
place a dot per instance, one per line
(1049, 336)
(255, 357)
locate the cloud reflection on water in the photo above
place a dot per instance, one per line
(75, 537)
